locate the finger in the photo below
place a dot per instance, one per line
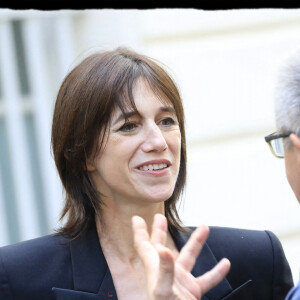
(166, 272)
(192, 248)
(139, 228)
(140, 236)
(214, 276)
(159, 230)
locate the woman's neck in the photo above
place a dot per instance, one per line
(115, 230)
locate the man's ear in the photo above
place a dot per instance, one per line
(295, 140)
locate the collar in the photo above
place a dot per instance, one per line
(91, 273)
(204, 262)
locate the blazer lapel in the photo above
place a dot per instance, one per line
(90, 270)
(93, 281)
(245, 292)
(88, 262)
(205, 261)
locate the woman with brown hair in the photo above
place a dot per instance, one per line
(118, 141)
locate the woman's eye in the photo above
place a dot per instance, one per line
(128, 127)
(168, 122)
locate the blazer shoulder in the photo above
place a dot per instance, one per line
(35, 248)
(255, 254)
(34, 265)
(238, 242)
(244, 246)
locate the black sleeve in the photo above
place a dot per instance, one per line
(282, 280)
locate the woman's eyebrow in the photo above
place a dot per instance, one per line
(125, 116)
(128, 114)
(168, 109)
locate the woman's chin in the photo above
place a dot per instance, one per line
(158, 196)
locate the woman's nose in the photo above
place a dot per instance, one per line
(154, 140)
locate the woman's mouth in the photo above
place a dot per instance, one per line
(153, 167)
(158, 167)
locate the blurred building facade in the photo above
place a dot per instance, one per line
(225, 64)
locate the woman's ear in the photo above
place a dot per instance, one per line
(295, 140)
(90, 166)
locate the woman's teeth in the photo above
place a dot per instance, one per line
(153, 167)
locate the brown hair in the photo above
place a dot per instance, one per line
(83, 108)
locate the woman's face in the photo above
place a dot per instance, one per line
(141, 160)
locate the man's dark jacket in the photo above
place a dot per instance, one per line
(54, 267)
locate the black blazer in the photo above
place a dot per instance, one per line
(54, 267)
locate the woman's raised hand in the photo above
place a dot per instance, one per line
(168, 277)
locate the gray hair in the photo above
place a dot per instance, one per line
(287, 96)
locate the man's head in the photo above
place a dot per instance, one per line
(287, 114)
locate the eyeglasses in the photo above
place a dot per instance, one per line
(275, 141)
